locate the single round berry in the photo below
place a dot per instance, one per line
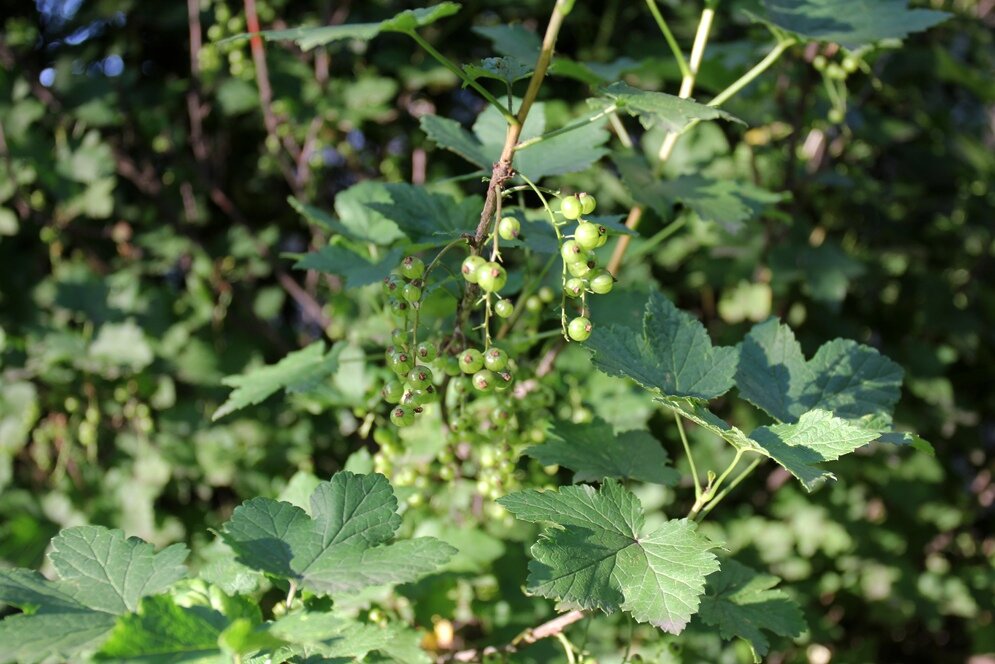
(471, 361)
(603, 238)
(574, 287)
(410, 396)
(509, 228)
(572, 252)
(546, 294)
(398, 337)
(504, 380)
(399, 309)
(581, 268)
(495, 359)
(470, 266)
(579, 329)
(427, 395)
(402, 416)
(504, 308)
(587, 235)
(392, 285)
(412, 267)
(601, 282)
(426, 351)
(491, 277)
(420, 377)
(400, 363)
(450, 365)
(392, 391)
(411, 293)
(587, 203)
(484, 380)
(570, 207)
(533, 304)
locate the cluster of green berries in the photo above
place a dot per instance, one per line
(581, 263)
(414, 384)
(488, 371)
(489, 275)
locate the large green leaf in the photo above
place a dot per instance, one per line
(852, 381)
(162, 631)
(598, 555)
(726, 202)
(406, 21)
(299, 371)
(850, 23)
(743, 603)
(660, 109)
(341, 546)
(333, 636)
(428, 218)
(671, 354)
(567, 153)
(817, 437)
(594, 451)
(102, 575)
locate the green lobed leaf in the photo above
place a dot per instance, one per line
(594, 451)
(359, 220)
(671, 354)
(342, 546)
(598, 556)
(744, 603)
(406, 21)
(162, 631)
(331, 635)
(817, 437)
(429, 218)
(299, 371)
(660, 109)
(850, 23)
(512, 40)
(59, 635)
(852, 381)
(355, 270)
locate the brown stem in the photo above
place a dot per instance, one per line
(529, 636)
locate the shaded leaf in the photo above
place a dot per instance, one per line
(428, 218)
(355, 270)
(594, 451)
(507, 69)
(744, 603)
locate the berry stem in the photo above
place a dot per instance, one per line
(732, 485)
(583, 122)
(559, 243)
(682, 63)
(687, 452)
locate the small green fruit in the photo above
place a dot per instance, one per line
(570, 207)
(579, 328)
(509, 228)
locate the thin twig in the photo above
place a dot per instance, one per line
(546, 630)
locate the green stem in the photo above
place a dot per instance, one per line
(467, 80)
(753, 73)
(567, 647)
(687, 83)
(428, 271)
(687, 451)
(682, 63)
(661, 235)
(559, 243)
(725, 492)
(570, 127)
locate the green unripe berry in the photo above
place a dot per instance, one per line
(402, 416)
(581, 268)
(412, 267)
(588, 235)
(491, 277)
(398, 337)
(471, 361)
(533, 304)
(819, 62)
(603, 238)
(570, 207)
(447, 474)
(470, 266)
(495, 359)
(587, 203)
(410, 398)
(484, 380)
(835, 72)
(392, 285)
(400, 363)
(426, 395)
(835, 116)
(392, 391)
(579, 329)
(420, 377)
(509, 228)
(546, 294)
(574, 287)
(426, 351)
(504, 308)
(572, 252)
(850, 64)
(451, 365)
(601, 282)
(411, 293)
(399, 310)
(504, 380)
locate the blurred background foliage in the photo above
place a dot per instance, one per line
(144, 222)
